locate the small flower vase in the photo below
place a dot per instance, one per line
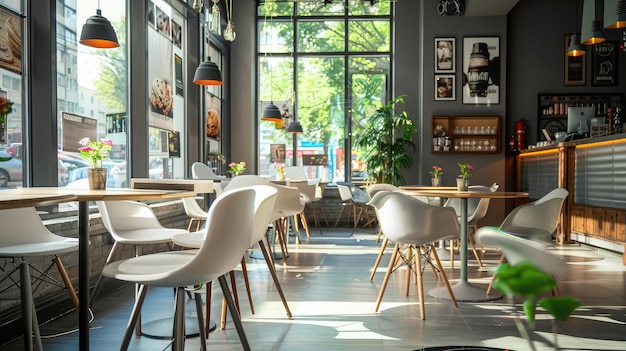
(280, 176)
(462, 184)
(97, 178)
(435, 181)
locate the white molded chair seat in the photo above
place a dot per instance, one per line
(412, 223)
(131, 223)
(24, 235)
(227, 236)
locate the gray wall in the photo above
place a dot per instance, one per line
(532, 59)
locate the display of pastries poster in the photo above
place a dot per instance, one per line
(213, 117)
(161, 85)
(10, 41)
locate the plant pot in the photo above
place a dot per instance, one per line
(280, 176)
(97, 178)
(462, 184)
(435, 181)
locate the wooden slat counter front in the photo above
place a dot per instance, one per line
(83, 196)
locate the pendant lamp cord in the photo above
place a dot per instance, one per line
(229, 10)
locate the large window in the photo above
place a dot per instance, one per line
(328, 67)
(91, 92)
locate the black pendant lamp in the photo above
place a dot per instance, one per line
(575, 47)
(208, 74)
(294, 127)
(614, 14)
(597, 36)
(271, 113)
(98, 32)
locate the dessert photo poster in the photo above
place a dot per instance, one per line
(161, 86)
(10, 41)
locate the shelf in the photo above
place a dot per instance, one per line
(466, 135)
(552, 110)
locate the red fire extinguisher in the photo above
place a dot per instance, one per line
(520, 133)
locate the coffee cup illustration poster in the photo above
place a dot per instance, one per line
(481, 70)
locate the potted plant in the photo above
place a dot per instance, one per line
(96, 151)
(436, 173)
(525, 280)
(384, 144)
(465, 172)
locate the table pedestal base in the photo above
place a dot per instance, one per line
(162, 328)
(465, 292)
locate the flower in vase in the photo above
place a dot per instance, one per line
(236, 168)
(436, 172)
(95, 151)
(465, 170)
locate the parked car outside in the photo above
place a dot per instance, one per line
(10, 169)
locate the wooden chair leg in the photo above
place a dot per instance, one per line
(386, 279)
(339, 216)
(420, 283)
(383, 246)
(207, 308)
(493, 277)
(305, 224)
(244, 271)
(272, 269)
(443, 276)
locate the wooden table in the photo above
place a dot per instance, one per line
(463, 290)
(83, 196)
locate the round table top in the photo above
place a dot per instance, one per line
(454, 193)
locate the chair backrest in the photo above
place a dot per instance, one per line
(374, 188)
(476, 207)
(23, 226)
(404, 219)
(344, 192)
(192, 209)
(227, 236)
(120, 217)
(307, 191)
(295, 173)
(517, 250)
(537, 219)
(200, 170)
(288, 201)
(264, 201)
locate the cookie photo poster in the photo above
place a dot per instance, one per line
(10, 41)
(161, 82)
(213, 117)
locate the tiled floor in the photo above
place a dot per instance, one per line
(326, 281)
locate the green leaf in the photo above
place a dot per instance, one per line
(560, 307)
(523, 279)
(529, 310)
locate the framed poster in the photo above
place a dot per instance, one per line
(604, 64)
(444, 87)
(445, 55)
(481, 70)
(10, 41)
(574, 67)
(213, 117)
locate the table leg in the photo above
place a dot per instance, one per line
(463, 290)
(83, 275)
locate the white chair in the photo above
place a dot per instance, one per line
(356, 199)
(410, 222)
(516, 250)
(371, 191)
(131, 223)
(314, 202)
(476, 210)
(288, 203)
(24, 235)
(227, 236)
(307, 193)
(536, 220)
(194, 212)
(200, 170)
(264, 205)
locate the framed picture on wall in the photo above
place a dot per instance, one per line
(574, 66)
(444, 87)
(481, 70)
(603, 64)
(445, 56)
(11, 39)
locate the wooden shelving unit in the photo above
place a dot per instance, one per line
(466, 135)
